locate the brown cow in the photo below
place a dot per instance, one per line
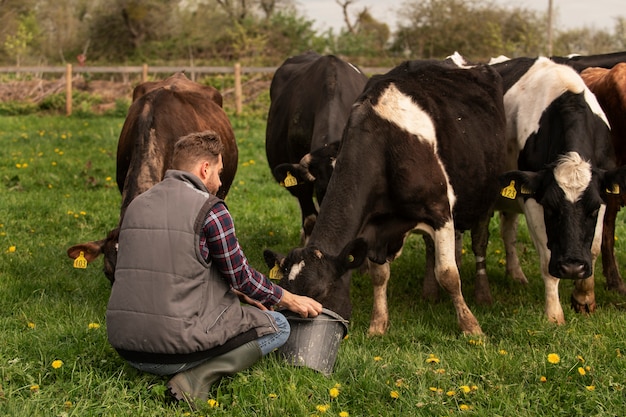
(609, 86)
(161, 112)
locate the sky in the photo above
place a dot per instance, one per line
(568, 14)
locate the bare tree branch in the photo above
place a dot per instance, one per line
(344, 6)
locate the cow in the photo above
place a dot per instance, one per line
(609, 87)
(421, 151)
(311, 96)
(581, 62)
(161, 113)
(561, 164)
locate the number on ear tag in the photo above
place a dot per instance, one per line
(290, 180)
(81, 261)
(275, 272)
(509, 191)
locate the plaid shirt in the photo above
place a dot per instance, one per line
(219, 244)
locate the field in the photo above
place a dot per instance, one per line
(57, 189)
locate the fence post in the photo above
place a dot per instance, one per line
(238, 93)
(144, 73)
(68, 90)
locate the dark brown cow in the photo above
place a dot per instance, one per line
(161, 113)
(609, 87)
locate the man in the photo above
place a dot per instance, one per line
(180, 276)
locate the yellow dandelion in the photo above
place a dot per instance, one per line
(503, 352)
(322, 408)
(554, 358)
(377, 358)
(543, 379)
(18, 166)
(587, 368)
(394, 394)
(67, 405)
(464, 407)
(12, 249)
(212, 403)
(440, 371)
(333, 392)
(273, 396)
(94, 325)
(53, 163)
(344, 414)
(433, 389)
(582, 371)
(580, 359)
(474, 388)
(498, 252)
(34, 388)
(451, 393)
(56, 364)
(432, 359)
(590, 387)
(465, 388)
(31, 325)
(107, 179)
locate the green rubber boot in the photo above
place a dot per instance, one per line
(195, 383)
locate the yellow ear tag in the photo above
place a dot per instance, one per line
(275, 272)
(509, 191)
(290, 180)
(614, 189)
(80, 262)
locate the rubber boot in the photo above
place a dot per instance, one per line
(195, 383)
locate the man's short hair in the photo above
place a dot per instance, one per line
(195, 147)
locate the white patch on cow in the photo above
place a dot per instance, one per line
(544, 82)
(498, 59)
(355, 68)
(295, 270)
(573, 174)
(400, 109)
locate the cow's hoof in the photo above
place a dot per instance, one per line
(584, 308)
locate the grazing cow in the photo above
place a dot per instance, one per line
(561, 159)
(161, 113)
(609, 87)
(581, 62)
(422, 150)
(311, 96)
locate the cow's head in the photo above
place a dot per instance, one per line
(315, 167)
(571, 195)
(106, 246)
(308, 271)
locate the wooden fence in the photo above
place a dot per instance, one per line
(69, 70)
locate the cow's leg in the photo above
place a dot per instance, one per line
(447, 274)
(304, 194)
(430, 288)
(583, 297)
(614, 281)
(537, 229)
(379, 321)
(480, 239)
(508, 232)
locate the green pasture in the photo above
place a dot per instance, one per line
(57, 189)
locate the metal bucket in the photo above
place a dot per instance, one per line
(314, 342)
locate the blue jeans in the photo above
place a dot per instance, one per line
(267, 344)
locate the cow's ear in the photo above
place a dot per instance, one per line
(291, 175)
(613, 182)
(354, 254)
(515, 184)
(90, 250)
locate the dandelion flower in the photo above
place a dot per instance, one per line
(543, 379)
(554, 358)
(56, 364)
(590, 387)
(464, 407)
(31, 325)
(394, 394)
(212, 403)
(582, 371)
(503, 352)
(465, 388)
(322, 408)
(67, 405)
(333, 392)
(451, 393)
(273, 396)
(432, 359)
(344, 414)
(12, 249)
(93, 326)
(377, 358)
(580, 359)
(34, 388)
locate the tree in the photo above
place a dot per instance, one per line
(17, 45)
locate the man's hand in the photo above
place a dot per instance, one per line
(300, 304)
(245, 299)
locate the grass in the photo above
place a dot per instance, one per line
(57, 189)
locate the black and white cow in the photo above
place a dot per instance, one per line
(311, 96)
(561, 162)
(422, 150)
